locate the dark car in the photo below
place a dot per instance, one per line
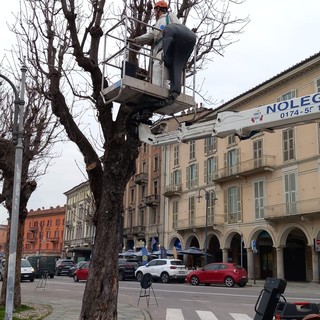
(227, 273)
(43, 265)
(63, 266)
(127, 268)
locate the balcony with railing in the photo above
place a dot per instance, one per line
(152, 200)
(245, 169)
(33, 229)
(69, 223)
(88, 240)
(53, 239)
(233, 217)
(304, 208)
(128, 232)
(141, 178)
(31, 239)
(173, 190)
(192, 223)
(139, 231)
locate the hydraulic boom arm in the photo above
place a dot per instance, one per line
(244, 124)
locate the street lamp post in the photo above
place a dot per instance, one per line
(18, 138)
(207, 197)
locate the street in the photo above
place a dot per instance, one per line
(176, 301)
(183, 301)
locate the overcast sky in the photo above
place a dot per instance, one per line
(281, 33)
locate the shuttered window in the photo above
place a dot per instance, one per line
(232, 204)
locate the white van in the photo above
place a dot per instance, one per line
(27, 272)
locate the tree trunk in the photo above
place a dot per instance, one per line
(17, 287)
(101, 293)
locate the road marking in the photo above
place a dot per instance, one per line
(174, 314)
(240, 316)
(206, 315)
(191, 300)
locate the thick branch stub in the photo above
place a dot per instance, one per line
(91, 166)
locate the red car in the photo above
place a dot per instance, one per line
(227, 273)
(82, 272)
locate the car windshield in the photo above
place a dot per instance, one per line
(237, 266)
(79, 264)
(25, 263)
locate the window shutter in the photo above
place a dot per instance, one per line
(239, 203)
(187, 177)
(196, 174)
(179, 176)
(205, 165)
(226, 209)
(238, 156)
(225, 160)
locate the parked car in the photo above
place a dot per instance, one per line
(164, 270)
(227, 273)
(75, 267)
(43, 265)
(63, 266)
(82, 272)
(27, 271)
(127, 268)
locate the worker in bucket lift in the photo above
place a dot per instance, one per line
(154, 37)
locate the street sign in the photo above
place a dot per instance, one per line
(317, 245)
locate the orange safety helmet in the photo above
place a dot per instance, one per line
(161, 4)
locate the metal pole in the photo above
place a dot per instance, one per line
(241, 249)
(206, 230)
(19, 106)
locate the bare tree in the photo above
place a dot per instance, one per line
(39, 134)
(62, 40)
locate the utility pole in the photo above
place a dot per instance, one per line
(14, 219)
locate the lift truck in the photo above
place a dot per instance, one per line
(137, 91)
(271, 304)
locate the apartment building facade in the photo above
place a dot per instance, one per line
(260, 196)
(43, 232)
(142, 219)
(254, 202)
(79, 229)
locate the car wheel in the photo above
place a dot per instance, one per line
(31, 280)
(228, 281)
(241, 284)
(139, 276)
(194, 281)
(165, 277)
(75, 278)
(51, 276)
(121, 276)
